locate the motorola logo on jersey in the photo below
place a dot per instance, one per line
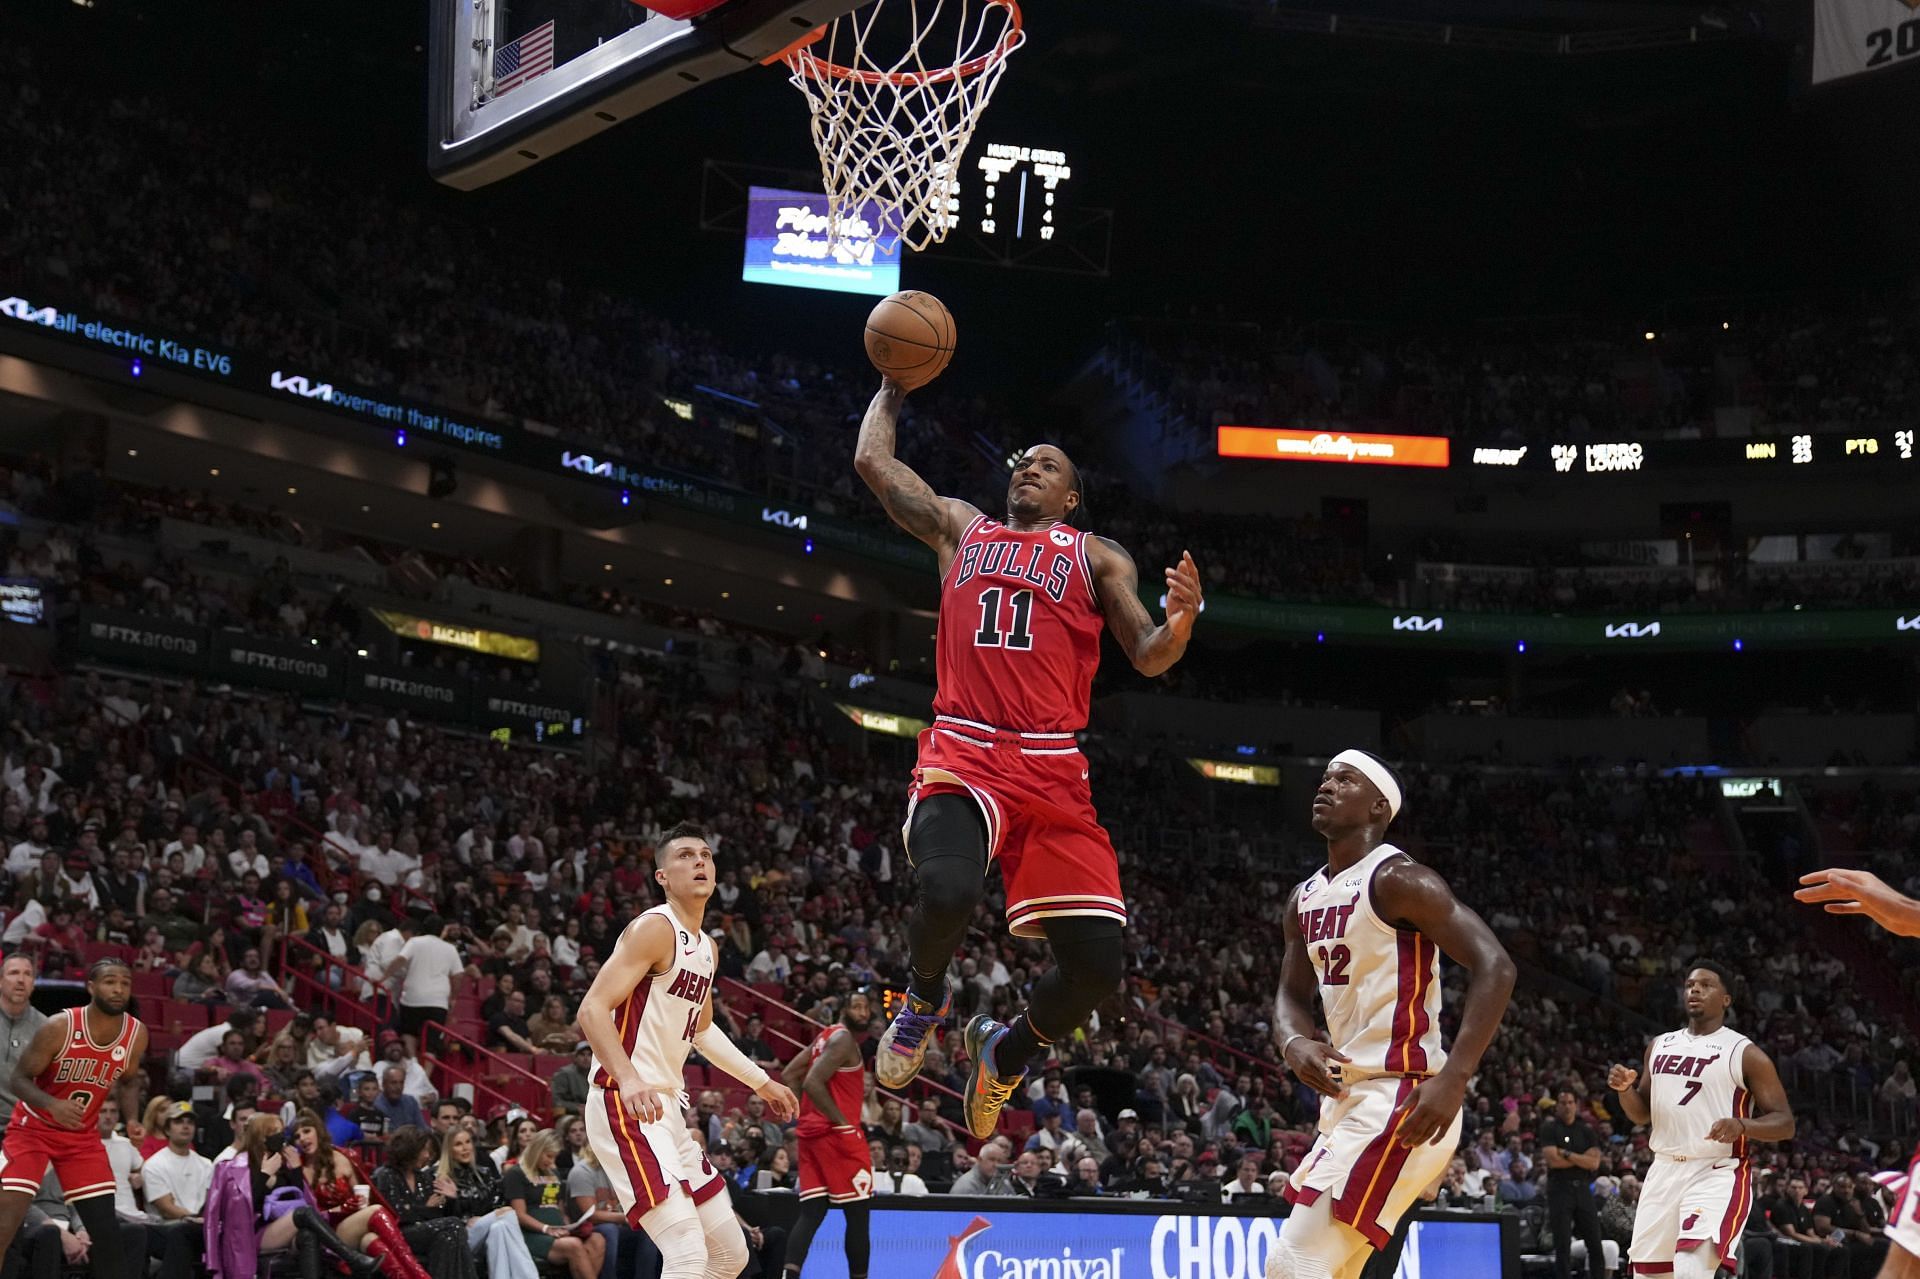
(1017, 561)
(1418, 623)
(1633, 630)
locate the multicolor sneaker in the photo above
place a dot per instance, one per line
(987, 1089)
(903, 1047)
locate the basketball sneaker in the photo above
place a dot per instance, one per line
(987, 1089)
(903, 1047)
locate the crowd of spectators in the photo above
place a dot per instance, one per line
(346, 831)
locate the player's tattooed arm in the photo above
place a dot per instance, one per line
(1311, 1061)
(1152, 649)
(910, 501)
(1774, 1118)
(1414, 896)
(41, 1050)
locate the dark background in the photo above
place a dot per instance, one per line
(1252, 172)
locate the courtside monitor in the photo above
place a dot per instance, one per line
(787, 243)
(512, 82)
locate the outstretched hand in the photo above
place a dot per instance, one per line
(1184, 598)
(1859, 892)
(781, 1103)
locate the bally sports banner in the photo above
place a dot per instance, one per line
(1851, 37)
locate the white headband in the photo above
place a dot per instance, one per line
(1374, 771)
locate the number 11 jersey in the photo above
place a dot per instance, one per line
(1019, 636)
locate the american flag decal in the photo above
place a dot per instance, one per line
(521, 59)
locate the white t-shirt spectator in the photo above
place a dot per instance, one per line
(24, 858)
(195, 855)
(125, 1161)
(240, 864)
(201, 1048)
(377, 957)
(431, 965)
(898, 1183)
(186, 1177)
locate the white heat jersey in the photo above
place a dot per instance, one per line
(1379, 985)
(1853, 36)
(1698, 1079)
(657, 1021)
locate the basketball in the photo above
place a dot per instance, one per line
(910, 337)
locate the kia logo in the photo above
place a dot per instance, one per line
(785, 519)
(1632, 630)
(21, 309)
(585, 464)
(297, 384)
(1418, 623)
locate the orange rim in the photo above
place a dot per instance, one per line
(819, 68)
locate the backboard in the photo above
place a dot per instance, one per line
(514, 81)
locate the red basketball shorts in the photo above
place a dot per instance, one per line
(79, 1159)
(1054, 855)
(837, 1164)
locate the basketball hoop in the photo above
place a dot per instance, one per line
(890, 129)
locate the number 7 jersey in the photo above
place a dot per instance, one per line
(656, 1023)
(1019, 635)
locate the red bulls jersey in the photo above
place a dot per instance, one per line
(1019, 630)
(82, 1069)
(847, 1089)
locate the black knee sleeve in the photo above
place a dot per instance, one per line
(1090, 957)
(859, 1239)
(812, 1213)
(948, 843)
(1088, 965)
(105, 1256)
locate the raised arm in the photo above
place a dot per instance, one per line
(1860, 892)
(1302, 1052)
(910, 501)
(644, 948)
(1415, 896)
(1152, 649)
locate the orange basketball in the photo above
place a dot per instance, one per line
(910, 337)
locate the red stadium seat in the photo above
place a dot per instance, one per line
(547, 1065)
(151, 986)
(165, 1041)
(277, 1019)
(1017, 1124)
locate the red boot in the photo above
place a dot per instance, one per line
(387, 1240)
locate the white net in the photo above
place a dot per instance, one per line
(891, 126)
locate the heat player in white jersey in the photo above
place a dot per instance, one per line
(1709, 1092)
(1365, 934)
(651, 1004)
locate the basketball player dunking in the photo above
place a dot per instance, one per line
(836, 1167)
(652, 1003)
(68, 1069)
(1022, 601)
(1367, 931)
(1709, 1092)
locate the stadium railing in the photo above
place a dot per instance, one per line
(376, 1013)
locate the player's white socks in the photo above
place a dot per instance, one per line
(1696, 1263)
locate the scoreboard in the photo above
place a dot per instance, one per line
(1885, 450)
(1021, 191)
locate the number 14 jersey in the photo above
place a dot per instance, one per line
(1019, 636)
(656, 1023)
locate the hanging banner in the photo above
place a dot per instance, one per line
(432, 694)
(141, 639)
(298, 668)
